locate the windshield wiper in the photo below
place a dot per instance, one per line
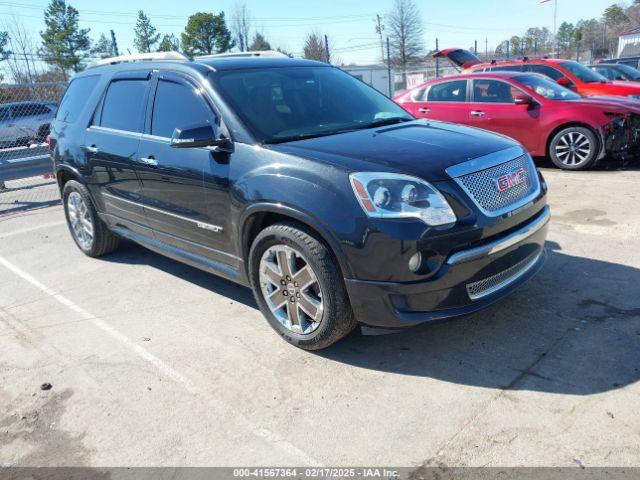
(302, 136)
(382, 122)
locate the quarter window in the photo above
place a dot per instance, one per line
(177, 105)
(123, 105)
(492, 91)
(75, 98)
(455, 91)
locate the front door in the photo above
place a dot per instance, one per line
(493, 108)
(111, 146)
(181, 211)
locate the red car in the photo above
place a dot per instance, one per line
(567, 73)
(548, 119)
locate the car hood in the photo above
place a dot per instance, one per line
(611, 102)
(421, 148)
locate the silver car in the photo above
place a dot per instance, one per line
(22, 123)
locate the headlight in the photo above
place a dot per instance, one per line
(391, 195)
(635, 96)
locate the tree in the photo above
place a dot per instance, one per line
(564, 36)
(404, 25)
(64, 44)
(515, 45)
(259, 43)
(146, 35)
(205, 34)
(4, 40)
(314, 47)
(169, 43)
(103, 48)
(241, 25)
(614, 16)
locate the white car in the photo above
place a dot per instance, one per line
(24, 122)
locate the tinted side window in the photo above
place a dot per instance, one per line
(4, 114)
(455, 91)
(177, 105)
(545, 70)
(492, 91)
(39, 109)
(123, 105)
(75, 98)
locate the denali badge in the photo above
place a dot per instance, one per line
(511, 179)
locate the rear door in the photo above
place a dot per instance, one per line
(186, 190)
(444, 101)
(111, 147)
(493, 108)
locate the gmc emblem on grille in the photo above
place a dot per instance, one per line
(511, 179)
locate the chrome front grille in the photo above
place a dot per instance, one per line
(483, 185)
(496, 282)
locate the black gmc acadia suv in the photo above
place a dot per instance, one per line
(294, 178)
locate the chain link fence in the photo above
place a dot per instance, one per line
(26, 112)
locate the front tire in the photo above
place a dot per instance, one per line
(574, 148)
(90, 233)
(298, 286)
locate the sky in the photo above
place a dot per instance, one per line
(349, 23)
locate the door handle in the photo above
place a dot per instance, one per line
(91, 149)
(150, 161)
(477, 113)
(424, 110)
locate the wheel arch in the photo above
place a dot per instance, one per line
(64, 173)
(260, 216)
(562, 126)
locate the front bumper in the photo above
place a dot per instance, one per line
(468, 281)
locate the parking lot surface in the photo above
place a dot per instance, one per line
(152, 362)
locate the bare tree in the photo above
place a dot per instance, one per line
(22, 62)
(241, 25)
(314, 48)
(404, 26)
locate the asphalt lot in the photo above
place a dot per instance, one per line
(155, 363)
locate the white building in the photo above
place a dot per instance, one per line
(629, 43)
(375, 75)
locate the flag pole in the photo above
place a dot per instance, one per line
(555, 28)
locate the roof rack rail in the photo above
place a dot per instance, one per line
(136, 57)
(257, 53)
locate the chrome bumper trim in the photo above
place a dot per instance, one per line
(504, 283)
(503, 243)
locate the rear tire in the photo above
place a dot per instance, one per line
(574, 148)
(90, 233)
(299, 287)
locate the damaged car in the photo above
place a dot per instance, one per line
(574, 131)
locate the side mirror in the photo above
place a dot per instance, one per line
(522, 99)
(565, 82)
(200, 135)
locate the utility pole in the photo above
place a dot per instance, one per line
(379, 29)
(555, 29)
(326, 48)
(507, 45)
(114, 44)
(535, 47)
(486, 47)
(389, 69)
(475, 48)
(437, 60)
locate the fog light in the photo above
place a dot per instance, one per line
(415, 262)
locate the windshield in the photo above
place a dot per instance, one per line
(546, 88)
(293, 103)
(629, 72)
(583, 73)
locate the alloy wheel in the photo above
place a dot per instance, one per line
(80, 220)
(291, 289)
(573, 148)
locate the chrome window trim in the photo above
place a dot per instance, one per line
(488, 161)
(199, 224)
(125, 133)
(503, 243)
